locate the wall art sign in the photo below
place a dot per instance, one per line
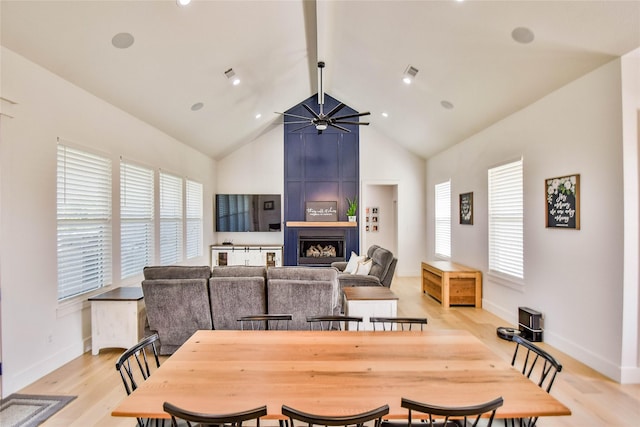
(466, 208)
(563, 202)
(321, 211)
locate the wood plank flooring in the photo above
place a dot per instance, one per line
(592, 398)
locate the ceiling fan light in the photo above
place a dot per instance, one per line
(321, 126)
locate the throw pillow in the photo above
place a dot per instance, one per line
(364, 267)
(353, 263)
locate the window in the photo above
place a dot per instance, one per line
(443, 218)
(506, 220)
(194, 219)
(84, 221)
(171, 219)
(136, 217)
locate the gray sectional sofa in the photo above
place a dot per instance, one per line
(183, 299)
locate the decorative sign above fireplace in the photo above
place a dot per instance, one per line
(321, 211)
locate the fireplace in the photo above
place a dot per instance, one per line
(320, 249)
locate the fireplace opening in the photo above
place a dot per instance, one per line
(320, 250)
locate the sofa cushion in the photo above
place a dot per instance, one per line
(302, 273)
(176, 309)
(352, 264)
(301, 298)
(238, 271)
(177, 272)
(234, 297)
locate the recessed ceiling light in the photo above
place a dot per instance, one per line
(197, 106)
(258, 115)
(385, 114)
(183, 2)
(122, 40)
(522, 35)
(446, 104)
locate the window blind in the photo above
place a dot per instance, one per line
(443, 219)
(171, 219)
(506, 209)
(136, 217)
(83, 221)
(194, 218)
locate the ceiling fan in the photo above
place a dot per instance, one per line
(320, 120)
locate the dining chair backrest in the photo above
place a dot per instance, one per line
(537, 365)
(434, 415)
(272, 322)
(374, 416)
(397, 323)
(337, 322)
(180, 416)
(135, 365)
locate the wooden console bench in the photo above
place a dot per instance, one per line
(451, 283)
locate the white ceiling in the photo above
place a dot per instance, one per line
(463, 51)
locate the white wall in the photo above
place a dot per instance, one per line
(383, 162)
(255, 168)
(574, 277)
(39, 334)
(383, 197)
(631, 167)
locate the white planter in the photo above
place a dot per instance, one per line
(352, 219)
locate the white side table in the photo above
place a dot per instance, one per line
(117, 318)
(369, 301)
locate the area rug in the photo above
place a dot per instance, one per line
(28, 410)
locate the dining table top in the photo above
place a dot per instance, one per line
(335, 373)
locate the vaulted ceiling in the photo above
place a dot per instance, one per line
(464, 51)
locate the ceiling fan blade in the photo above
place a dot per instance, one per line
(332, 124)
(299, 122)
(294, 115)
(349, 116)
(300, 128)
(335, 109)
(350, 123)
(311, 111)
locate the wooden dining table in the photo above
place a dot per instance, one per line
(335, 373)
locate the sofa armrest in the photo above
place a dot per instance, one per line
(340, 265)
(357, 280)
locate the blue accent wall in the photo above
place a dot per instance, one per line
(319, 167)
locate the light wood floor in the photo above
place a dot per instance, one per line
(592, 398)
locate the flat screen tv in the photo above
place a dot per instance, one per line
(248, 212)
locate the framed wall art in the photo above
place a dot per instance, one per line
(466, 208)
(562, 207)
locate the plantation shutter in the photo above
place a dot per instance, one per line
(194, 219)
(83, 221)
(506, 209)
(171, 219)
(443, 219)
(136, 215)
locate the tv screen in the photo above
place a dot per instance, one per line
(248, 212)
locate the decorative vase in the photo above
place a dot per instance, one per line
(352, 218)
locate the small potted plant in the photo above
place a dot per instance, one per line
(352, 208)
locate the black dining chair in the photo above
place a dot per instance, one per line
(358, 420)
(135, 365)
(184, 417)
(400, 323)
(537, 365)
(260, 322)
(447, 416)
(335, 322)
